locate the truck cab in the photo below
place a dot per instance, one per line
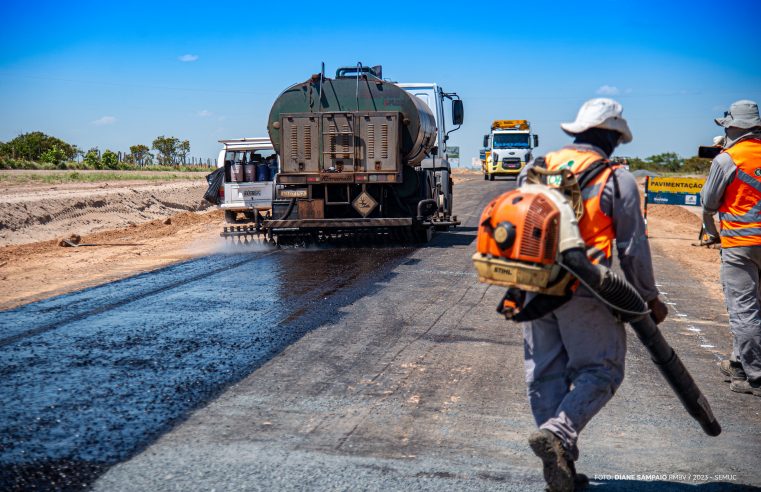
(433, 95)
(250, 166)
(509, 146)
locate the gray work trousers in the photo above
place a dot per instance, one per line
(574, 359)
(740, 270)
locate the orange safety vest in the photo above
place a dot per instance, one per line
(595, 226)
(740, 210)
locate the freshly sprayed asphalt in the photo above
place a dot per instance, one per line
(90, 377)
(332, 368)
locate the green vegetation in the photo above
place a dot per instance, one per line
(37, 150)
(92, 159)
(171, 149)
(109, 160)
(94, 163)
(89, 177)
(33, 146)
(670, 162)
(140, 154)
(55, 156)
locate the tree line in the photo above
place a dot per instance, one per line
(670, 162)
(39, 147)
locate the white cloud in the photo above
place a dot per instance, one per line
(608, 90)
(104, 120)
(188, 58)
(204, 113)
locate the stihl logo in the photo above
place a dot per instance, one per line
(503, 270)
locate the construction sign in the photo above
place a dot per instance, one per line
(673, 191)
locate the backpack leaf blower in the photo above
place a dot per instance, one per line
(529, 241)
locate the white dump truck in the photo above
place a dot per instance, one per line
(508, 148)
(250, 166)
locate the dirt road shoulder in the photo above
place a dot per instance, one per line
(30, 272)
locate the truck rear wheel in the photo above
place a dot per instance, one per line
(491, 177)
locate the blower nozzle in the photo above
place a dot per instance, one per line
(621, 296)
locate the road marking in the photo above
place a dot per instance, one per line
(702, 340)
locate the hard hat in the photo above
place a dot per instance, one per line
(600, 113)
(741, 114)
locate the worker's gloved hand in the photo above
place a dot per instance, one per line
(708, 240)
(658, 310)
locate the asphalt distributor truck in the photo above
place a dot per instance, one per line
(359, 155)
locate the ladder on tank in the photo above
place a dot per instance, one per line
(342, 136)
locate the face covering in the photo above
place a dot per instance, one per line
(606, 140)
(734, 135)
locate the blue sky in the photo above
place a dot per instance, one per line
(115, 74)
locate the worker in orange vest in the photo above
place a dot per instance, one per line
(733, 189)
(574, 350)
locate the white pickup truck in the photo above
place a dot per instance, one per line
(250, 167)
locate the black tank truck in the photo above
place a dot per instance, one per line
(359, 154)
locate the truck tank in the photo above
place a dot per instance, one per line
(357, 159)
(356, 122)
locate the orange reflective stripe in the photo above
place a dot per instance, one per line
(595, 226)
(740, 213)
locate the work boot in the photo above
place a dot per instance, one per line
(580, 481)
(558, 471)
(733, 370)
(745, 386)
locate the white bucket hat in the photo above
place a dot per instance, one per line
(600, 113)
(742, 114)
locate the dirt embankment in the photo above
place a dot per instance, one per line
(30, 213)
(34, 271)
(672, 230)
(127, 219)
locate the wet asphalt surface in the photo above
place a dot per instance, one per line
(382, 368)
(89, 378)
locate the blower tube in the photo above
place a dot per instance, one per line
(619, 294)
